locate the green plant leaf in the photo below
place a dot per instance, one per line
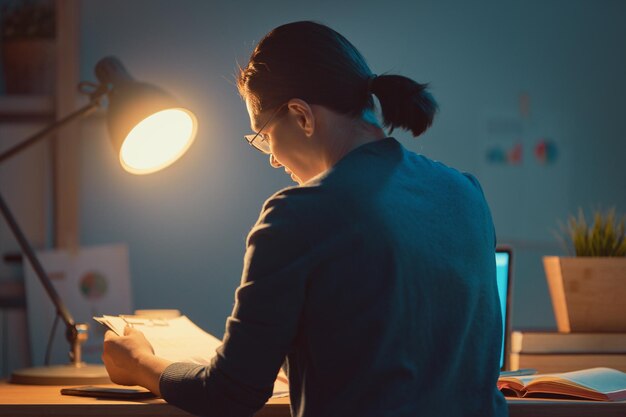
(604, 237)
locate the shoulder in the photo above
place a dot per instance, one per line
(460, 181)
(286, 211)
(305, 216)
(288, 203)
(473, 180)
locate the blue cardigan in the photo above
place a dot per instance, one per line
(374, 285)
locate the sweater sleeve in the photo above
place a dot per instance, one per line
(260, 330)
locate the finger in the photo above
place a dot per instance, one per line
(130, 331)
(109, 334)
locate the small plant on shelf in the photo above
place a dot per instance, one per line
(587, 288)
(606, 236)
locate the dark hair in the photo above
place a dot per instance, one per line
(312, 62)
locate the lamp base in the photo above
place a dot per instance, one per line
(69, 374)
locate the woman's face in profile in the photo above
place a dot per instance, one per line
(287, 142)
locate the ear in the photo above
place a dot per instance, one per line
(304, 116)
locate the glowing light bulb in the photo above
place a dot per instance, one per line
(158, 140)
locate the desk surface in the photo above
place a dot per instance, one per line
(35, 401)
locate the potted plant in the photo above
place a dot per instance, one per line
(588, 290)
(28, 46)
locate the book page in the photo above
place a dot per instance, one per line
(602, 384)
(516, 383)
(604, 380)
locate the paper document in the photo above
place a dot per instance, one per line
(178, 339)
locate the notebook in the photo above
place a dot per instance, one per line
(504, 273)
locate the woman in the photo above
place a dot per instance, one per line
(372, 282)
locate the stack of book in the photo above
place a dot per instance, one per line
(561, 352)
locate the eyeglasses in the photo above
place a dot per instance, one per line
(258, 140)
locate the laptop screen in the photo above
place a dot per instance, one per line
(503, 276)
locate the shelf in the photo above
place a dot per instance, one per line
(12, 295)
(26, 108)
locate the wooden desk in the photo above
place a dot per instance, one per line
(37, 401)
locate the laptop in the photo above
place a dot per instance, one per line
(504, 273)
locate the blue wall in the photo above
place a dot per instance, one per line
(186, 226)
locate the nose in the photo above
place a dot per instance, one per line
(274, 162)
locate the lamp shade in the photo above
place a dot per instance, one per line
(149, 129)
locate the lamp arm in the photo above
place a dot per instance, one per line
(30, 255)
(76, 333)
(93, 105)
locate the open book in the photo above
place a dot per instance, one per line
(178, 339)
(600, 384)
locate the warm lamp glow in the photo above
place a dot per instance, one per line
(158, 140)
(150, 131)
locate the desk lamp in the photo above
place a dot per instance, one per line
(149, 131)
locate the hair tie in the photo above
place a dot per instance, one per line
(370, 82)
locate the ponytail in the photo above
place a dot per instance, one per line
(404, 103)
(320, 66)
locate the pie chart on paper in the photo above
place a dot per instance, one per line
(93, 285)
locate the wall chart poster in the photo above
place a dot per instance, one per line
(91, 281)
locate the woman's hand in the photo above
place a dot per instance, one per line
(130, 360)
